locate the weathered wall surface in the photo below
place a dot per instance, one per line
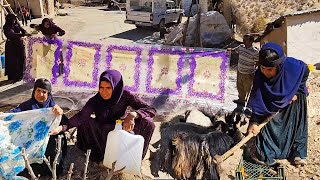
(303, 36)
(278, 35)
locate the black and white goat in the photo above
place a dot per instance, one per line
(187, 149)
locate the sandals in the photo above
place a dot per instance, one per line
(254, 156)
(255, 159)
(299, 161)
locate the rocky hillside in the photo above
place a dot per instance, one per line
(253, 15)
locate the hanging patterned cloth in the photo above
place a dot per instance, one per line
(29, 130)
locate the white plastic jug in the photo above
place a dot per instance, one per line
(125, 148)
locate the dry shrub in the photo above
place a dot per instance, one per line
(259, 25)
(248, 10)
(292, 4)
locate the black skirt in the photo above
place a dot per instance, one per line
(286, 135)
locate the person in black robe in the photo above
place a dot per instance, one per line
(14, 48)
(50, 30)
(42, 98)
(279, 86)
(98, 117)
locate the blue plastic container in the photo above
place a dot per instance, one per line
(2, 61)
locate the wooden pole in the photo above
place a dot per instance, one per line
(85, 173)
(55, 161)
(186, 27)
(223, 157)
(199, 25)
(70, 171)
(28, 166)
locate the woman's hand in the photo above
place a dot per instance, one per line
(36, 27)
(128, 122)
(57, 110)
(293, 99)
(253, 128)
(58, 130)
(53, 36)
(229, 51)
(22, 38)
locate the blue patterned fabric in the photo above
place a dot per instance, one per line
(28, 129)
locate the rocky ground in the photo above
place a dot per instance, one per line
(312, 169)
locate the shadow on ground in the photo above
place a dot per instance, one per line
(93, 4)
(113, 9)
(9, 90)
(134, 34)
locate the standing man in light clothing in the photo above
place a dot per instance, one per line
(248, 61)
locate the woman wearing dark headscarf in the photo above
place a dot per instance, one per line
(14, 48)
(279, 85)
(42, 98)
(49, 29)
(99, 115)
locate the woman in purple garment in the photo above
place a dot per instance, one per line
(99, 115)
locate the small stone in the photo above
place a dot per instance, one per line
(310, 176)
(303, 174)
(309, 171)
(315, 177)
(296, 170)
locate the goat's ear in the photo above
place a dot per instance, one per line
(152, 154)
(179, 138)
(226, 116)
(186, 114)
(176, 141)
(213, 119)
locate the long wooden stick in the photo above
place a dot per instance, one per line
(70, 171)
(220, 159)
(28, 166)
(55, 161)
(198, 32)
(86, 164)
(185, 29)
(111, 173)
(47, 161)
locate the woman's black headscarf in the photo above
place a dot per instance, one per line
(11, 23)
(33, 103)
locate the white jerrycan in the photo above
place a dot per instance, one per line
(125, 148)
